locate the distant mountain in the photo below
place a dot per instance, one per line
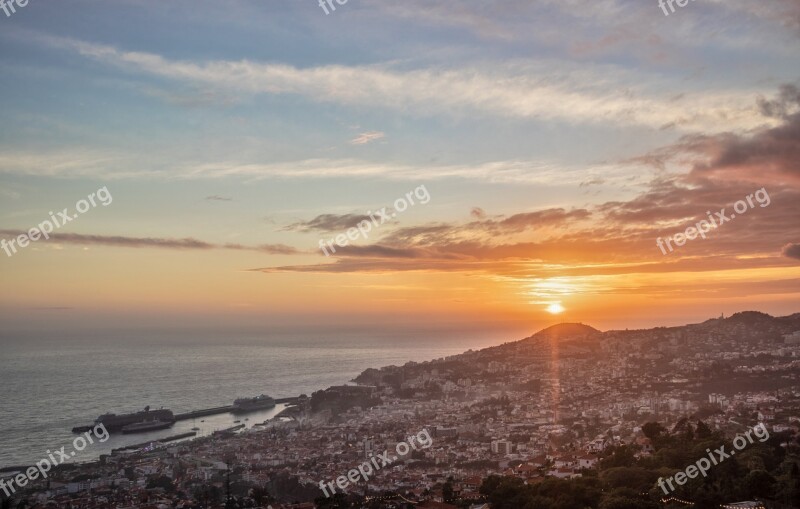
(751, 318)
(578, 340)
(566, 330)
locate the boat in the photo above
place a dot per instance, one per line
(114, 422)
(141, 427)
(242, 405)
(228, 431)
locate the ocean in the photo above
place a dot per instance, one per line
(54, 381)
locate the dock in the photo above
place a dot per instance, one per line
(223, 409)
(160, 440)
(204, 412)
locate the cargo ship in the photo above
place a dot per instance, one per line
(243, 405)
(114, 422)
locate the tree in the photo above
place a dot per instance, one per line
(163, 482)
(703, 431)
(653, 430)
(621, 456)
(261, 495)
(617, 502)
(635, 478)
(447, 491)
(759, 483)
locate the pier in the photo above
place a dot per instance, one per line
(203, 413)
(160, 440)
(223, 409)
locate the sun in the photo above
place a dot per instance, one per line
(555, 308)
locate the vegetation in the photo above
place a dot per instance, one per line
(762, 471)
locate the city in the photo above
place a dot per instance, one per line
(556, 405)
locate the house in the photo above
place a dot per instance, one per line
(766, 415)
(563, 473)
(646, 444)
(587, 461)
(598, 445)
(565, 461)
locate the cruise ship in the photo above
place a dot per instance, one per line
(114, 422)
(242, 405)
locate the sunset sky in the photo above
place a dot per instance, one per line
(557, 139)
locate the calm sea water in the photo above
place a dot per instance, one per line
(52, 382)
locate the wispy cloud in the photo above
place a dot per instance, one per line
(328, 223)
(364, 138)
(187, 243)
(97, 164)
(545, 90)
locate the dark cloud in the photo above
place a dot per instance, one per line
(278, 249)
(791, 251)
(328, 223)
(477, 213)
(216, 197)
(770, 153)
(541, 218)
(780, 107)
(154, 242)
(379, 251)
(421, 235)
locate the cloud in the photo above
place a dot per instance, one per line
(545, 90)
(379, 251)
(364, 138)
(538, 219)
(477, 213)
(216, 197)
(717, 172)
(766, 155)
(616, 27)
(328, 223)
(8, 193)
(596, 181)
(782, 106)
(98, 164)
(791, 251)
(187, 243)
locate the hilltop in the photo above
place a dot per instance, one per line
(578, 340)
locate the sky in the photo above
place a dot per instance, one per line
(529, 159)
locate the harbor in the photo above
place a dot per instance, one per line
(225, 409)
(127, 423)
